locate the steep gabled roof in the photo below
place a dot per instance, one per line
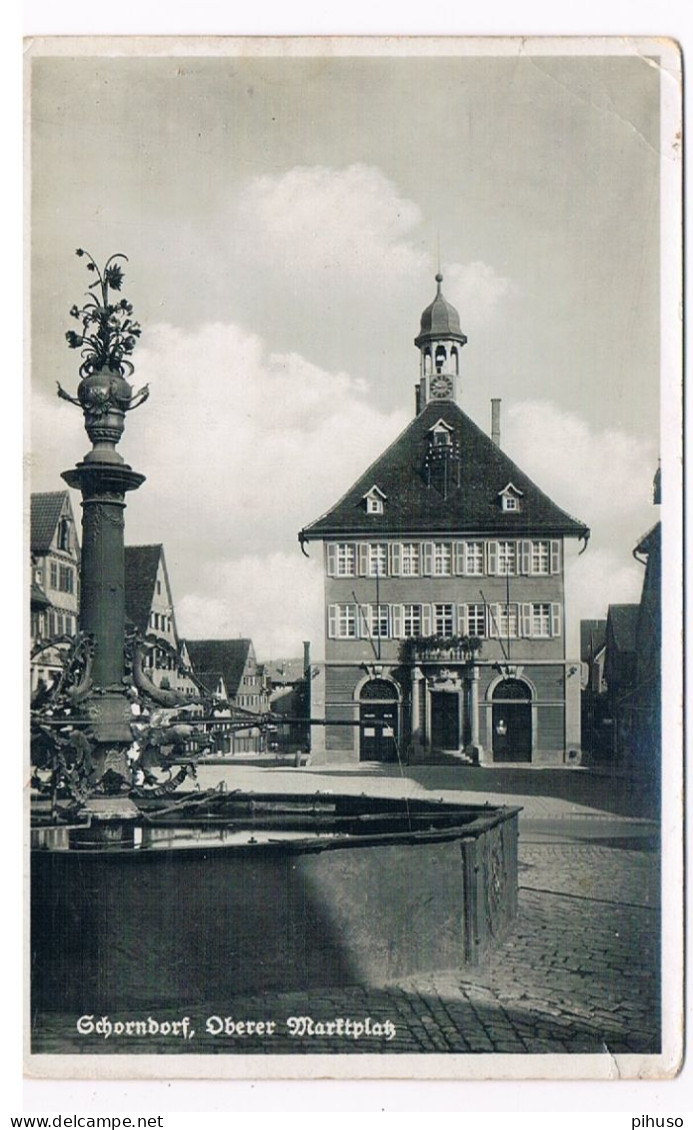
(413, 507)
(141, 567)
(46, 510)
(227, 657)
(592, 638)
(623, 619)
(210, 681)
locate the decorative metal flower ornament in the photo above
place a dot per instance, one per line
(109, 334)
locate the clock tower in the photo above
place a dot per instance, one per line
(440, 341)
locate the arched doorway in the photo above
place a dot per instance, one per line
(512, 721)
(378, 721)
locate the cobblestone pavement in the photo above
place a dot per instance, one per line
(579, 973)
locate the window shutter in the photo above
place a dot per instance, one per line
(363, 621)
(427, 559)
(555, 619)
(362, 559)
(518, 557)
(462, 629)
(331, 559)
(492, 558)
(493, 620)
(397, 621)
(555, 556)
(395, 559)
(525, 558)
(458, 566)
(526, 620)
(332, 621)
(426, 620)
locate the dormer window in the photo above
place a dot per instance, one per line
(510, 499)
(375, 501)
(441, 434)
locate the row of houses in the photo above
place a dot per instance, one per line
(226, 670)
(621, 670)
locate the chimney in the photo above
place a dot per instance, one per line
(495, 422)
(306, 656)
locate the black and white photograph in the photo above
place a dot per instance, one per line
(354, 525)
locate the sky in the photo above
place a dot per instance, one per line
(283, 219)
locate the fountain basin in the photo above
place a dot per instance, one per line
(247, 893)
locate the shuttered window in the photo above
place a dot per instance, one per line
(541, 621)
(444, 619)
(341, 621)
(410, 559)
(474, 558)
(540, 561)
(475, 620)
(411, 620)
(507, 553)
(442, 559)
(377, 559)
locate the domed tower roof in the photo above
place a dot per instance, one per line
(440, 320)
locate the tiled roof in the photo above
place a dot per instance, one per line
(45, 512)
(624, 621)
(141, 565)
(209, 680)
(413, 507)
(228, 657)
(282, 671)
(592, 638)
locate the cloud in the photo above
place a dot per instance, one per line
(276, 599)
(350, 255)
(603, 477)
(475, 289)
(351, 224)
(241, 447)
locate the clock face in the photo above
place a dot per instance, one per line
(441, 387)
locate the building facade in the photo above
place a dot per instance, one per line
(231, 666)
(149, 607)
(445, 618)
(54, 592)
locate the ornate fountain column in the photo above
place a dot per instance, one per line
(103, 479)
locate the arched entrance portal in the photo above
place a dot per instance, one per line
(512, 721)
(378, 721)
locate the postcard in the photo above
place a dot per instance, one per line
(354, 506)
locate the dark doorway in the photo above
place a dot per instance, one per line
(445, 720)
(512, 721)
(378, 717)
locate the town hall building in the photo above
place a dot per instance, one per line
(445, 614)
